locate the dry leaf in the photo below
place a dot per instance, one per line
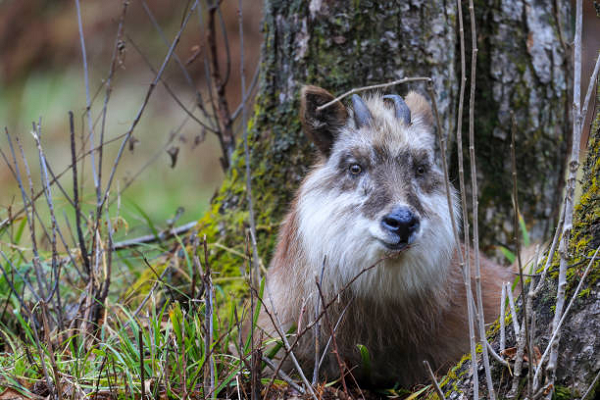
(511, 354)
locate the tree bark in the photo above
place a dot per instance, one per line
(346, 44)
(579, 346)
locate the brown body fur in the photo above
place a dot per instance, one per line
(432, 326)
(400, 330)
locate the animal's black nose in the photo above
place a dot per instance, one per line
(402, 222)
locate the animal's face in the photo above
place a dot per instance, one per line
(377, 189)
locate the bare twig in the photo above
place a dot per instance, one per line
(141, 348)
(556, 329)
(41, 281)
(88, 101)
(147, 98)
(188, 78)
(317, 333)
(592, 386)
(463, 195)
(522, 337)
(474, 194)
(551, 252)
(82, 248)
(226, 137)
(226, 44)
(569, 197)
(371, 87)
(113, 65)
(461, 258)
(253, 84)
(495, 355)
(590, 91)
(255, 257)
(513, 309)
(286, 344)
(162, 235)
(283, 375)
(503, 317)
(335, 328)
(209, 376)
(255, 270)
(341, 364)
(169, 90)
(435, 384)
(54, 180)
(50, 296)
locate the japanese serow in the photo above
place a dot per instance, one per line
(374, 206)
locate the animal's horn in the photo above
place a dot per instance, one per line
(362, 115)
(402, 110)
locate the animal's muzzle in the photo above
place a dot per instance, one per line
(402, 223)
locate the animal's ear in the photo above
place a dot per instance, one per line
(321, 126)
(420, 110)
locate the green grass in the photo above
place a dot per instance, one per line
(176, 352)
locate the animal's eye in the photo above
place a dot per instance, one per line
(421, 169)
(355, 169)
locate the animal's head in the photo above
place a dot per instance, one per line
(377, 188)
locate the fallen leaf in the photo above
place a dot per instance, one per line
(511, 354)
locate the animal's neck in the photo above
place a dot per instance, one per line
(370, 273)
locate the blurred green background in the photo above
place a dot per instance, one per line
(42, 76)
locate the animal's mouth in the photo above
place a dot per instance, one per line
(396, 247)
(397, 244)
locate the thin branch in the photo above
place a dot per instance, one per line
(495, 355)
(243, 104)
(113, 65)
(503, 317)
(55, 179)
(76, 201)
(88, 107)
(372, 87)
(463, 195)
(513, 310)
(335, 328)
(226, 43)
(142, 368)
(461, 258)
(432, 377)
(523, 337)
(147, 98)
(255, 257)
(336, 352)
(569, 196)
(590, 90)
(286, 344)
(283, 375)
(592, 386)
(199, 102)
(168, 88)
(42, 284)
(162, 235)
(209, 377)
(474, 194)
(226, 138)
(551, 252)
(556, 330)
(50, 296)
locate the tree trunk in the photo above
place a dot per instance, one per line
(346, 44)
